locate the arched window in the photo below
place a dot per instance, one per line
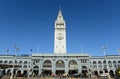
(5, 62)
(99, 62)
(94, 62)
(1, 61)
(20, 62)
(109, 62)
(119, 62)
(15, 61)
(60, 64)
(84, 67)
(73, 64)
(47, 63)
(114, 62)
(104, 62)
(10, 62)
(35, 68)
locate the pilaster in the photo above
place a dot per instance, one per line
(53, 66)
(66, 66)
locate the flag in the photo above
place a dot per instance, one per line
(16, 48)
(7, 50)
(31, 50)
(104, 48)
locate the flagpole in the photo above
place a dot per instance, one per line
(38, 48)
(60, 4)
(82, 50)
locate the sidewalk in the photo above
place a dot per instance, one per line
(45, 78)
(38, 78)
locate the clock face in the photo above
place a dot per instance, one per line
(60, 36)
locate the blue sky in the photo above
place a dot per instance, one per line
(29, 24)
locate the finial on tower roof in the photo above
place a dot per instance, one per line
(60, 7)
(60, 17)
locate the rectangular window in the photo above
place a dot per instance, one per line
(100, 66)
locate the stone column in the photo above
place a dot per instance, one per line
(40, 66)
(53, 66)
(31, 65)
(66, 66)
(79, 66)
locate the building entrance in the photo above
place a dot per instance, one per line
(36, 72)
(84, 73)
(72, 72)
(47, 72)
(60, 72)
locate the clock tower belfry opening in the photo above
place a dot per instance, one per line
(60, 34)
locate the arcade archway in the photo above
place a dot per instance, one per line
(111, 73)
(96, 72)
(60, 67)
(36, 70)
(25, 73)
(4, 72)
(47, 68)
(9, 72)
(84, 71)
(101, 72)
(19, 73)
(73, 67)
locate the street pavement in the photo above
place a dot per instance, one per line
(49, 78)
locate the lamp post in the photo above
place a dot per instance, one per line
(37, 69)
(90, 70)
(41, 72)
(107, 67)
(16, 49)
(11, 77)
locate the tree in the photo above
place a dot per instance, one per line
(118, 72)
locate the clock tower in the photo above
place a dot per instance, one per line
(60, 34)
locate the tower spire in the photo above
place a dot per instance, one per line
(60, 7)
(60, 16)
(60, 34)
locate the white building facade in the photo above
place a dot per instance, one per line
(60, 62)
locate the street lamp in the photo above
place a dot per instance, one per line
(16, 49)
(92, 72)
(11, 77)
(107, 67)
(104, 51)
